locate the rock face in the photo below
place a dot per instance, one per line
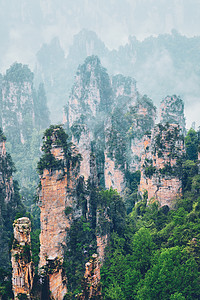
(22, 266)
(160, 170)
(75, 223)
(21, 105)
(172, 112)
(88, 107)
(17, 103)
(23, 112)
(92, 277)
(10, 202)
(143, 120)
(108, 117)
(57, 201)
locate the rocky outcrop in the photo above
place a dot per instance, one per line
(102, 242)
(17, 103)
(22, 107)
(89, 104)
(10, 202)
(143, 116)
(125, 96)
(114, 177)
(124, 90)
(108, 117)
(91, 93)
(91, 282)
(22, 266)
(160, 168)
(59, 169)
(172, 112)
(82, 139)
(23, 113)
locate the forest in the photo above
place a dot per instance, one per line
(112, 193)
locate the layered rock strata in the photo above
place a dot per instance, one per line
(22, 266)
(107, 116)
(160, 170)
(89, 105)
(57, 201)
(92, 277)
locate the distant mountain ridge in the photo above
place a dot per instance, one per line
(163, 65)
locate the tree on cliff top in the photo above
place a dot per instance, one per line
(55, 136)
(19, 73)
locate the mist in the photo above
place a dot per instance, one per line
(27, 25)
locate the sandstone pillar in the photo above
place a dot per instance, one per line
(22, 266)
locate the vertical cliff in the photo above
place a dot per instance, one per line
(108, 117)
(17, 104)
(23, 114)
(10, 203)
(22, 266)
(125, 96)
(160, 164)
(59, 171)
(172, 111)
(89, 104)
(91, 283)
(143, 116)
(130, 120)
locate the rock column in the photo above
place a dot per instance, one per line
(22, 266)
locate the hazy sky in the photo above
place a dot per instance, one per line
(26, 24)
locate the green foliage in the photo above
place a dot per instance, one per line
(55, 136)
(22, 296)
(52, 265)
(115, 210)
(19, 73)
(174, 271)
(189, 171)
(81, 245)
(35, 245)
(77, 130)
(157, 255)
(48, 162)
(142, 246)
(103, 82)
(149, 171)
(5, 284)
(68, 210)
(2, 136)
(191, 144)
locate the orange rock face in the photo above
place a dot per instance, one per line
(53, 219)
(102, 242)
(114, 177)
(56, 202)
(22, 266)
(54, 199)
(159, 170)
(92, 277)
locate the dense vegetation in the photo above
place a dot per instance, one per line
(156, 255)
(153, 252)
(24, 116)
(55, 136)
